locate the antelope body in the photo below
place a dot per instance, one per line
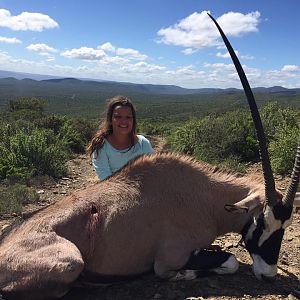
(153, 214)
(137, 220)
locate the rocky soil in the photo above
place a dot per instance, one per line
(242, 285)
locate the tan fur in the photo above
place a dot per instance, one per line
(154, 212)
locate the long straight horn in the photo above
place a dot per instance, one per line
(289, 197)
(265, 160)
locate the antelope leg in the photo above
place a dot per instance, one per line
(219, 262)
(41, 268)
(203, 262)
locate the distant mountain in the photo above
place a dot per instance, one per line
(12, 86)
(127, 87)
(74, 96)
(277, 90)
(20, 75)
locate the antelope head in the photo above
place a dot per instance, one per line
(263, 234)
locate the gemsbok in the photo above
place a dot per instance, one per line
(158, 213)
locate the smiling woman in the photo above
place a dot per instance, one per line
(116, 142)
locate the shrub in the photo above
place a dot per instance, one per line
(215, 138)
(275, 116)
(283, 150)
(85, 128)
(52, 122)
(15, 196)
(37, 153)
(70, 139)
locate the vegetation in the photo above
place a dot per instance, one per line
(33, 143)
(37, 142)
(229, 139)
(15, 196)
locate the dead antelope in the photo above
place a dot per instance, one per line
(153, 214)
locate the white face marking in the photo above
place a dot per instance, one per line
(260, 267)
(272, 225)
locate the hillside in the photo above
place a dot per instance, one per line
(70, 96)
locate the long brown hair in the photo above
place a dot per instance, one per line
(105, 128)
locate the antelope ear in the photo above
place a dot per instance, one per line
(236, 208)
(246, 205)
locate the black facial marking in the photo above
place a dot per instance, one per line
(269, 250)
(282, 212)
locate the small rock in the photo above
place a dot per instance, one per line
(228, 245)
(65, 178)
(41, 192)
(4, 226)
(63, 192)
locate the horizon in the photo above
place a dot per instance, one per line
(47, 77)
(155, 43)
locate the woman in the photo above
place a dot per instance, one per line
(116, 142)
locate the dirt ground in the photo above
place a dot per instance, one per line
(242, 285)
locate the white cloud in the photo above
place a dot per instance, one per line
(184, 70)
(107, 47)
(117, 60)
(131, 53)
(26, 21)
(127, 52)
(84, 53)
(123, 55)
(198, 31)
(50, 58)
(142, 67)
(4, 56)
(227, 55)
(9, 40)
(44, 49)
(236, 24)
(248, 57)
(224, 55)
(290, 68)
(189, 51)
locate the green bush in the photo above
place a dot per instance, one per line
(274, 117)
(15, 196)
(154, 126)
(85, 128)
(37, 153)
(230, 139)
(70, 139)
(215, 138)
(283, 150)
(52, 122)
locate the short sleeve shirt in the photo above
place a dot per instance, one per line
(110, 160)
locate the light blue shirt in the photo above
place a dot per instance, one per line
(110, 160)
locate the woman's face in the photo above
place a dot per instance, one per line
(122, 120)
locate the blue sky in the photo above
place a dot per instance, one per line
(153, 41)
